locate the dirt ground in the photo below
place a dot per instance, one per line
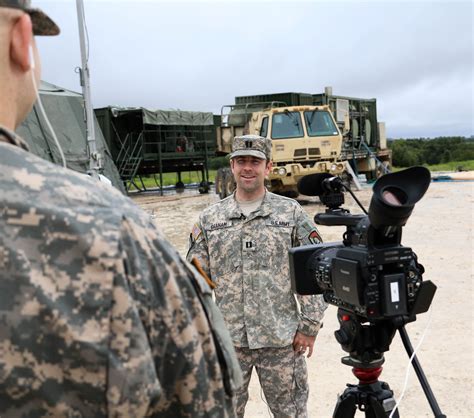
(440, 232)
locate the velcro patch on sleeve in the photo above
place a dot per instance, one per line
(314, 237)
(195, 232)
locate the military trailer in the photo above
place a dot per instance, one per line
(65, 110)
(305, 138)
(365, 143)
(147, 142)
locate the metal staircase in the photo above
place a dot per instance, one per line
(130, 158)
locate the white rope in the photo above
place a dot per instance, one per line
(407, 373)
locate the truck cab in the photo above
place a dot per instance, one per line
(305, 140)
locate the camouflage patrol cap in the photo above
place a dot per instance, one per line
(42, 23)
(253, 145)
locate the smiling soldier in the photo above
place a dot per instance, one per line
(242, 244)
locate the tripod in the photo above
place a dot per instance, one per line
(366, 343)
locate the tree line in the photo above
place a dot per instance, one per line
(418, 151)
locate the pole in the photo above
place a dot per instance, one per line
(94, 157)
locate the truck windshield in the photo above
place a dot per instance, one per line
(320, 123)
(287, 125)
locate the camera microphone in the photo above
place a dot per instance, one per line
(313, 185)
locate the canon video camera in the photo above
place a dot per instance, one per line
(369, 273)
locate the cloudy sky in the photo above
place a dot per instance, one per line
(415, 58)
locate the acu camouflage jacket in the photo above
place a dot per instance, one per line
(247, 259)
(99, 316)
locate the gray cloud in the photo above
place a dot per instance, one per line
(414, 57)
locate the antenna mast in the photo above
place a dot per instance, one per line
(95, 160)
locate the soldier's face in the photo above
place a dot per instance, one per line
(249, 173)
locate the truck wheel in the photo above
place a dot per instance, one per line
(219, 182)
(229, 185)
(222, 182)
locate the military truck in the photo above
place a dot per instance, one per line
(363, 146)
(305, 139)
(364, 141)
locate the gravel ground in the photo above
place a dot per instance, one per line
(440, 232)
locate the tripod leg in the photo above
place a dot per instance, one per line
(421, 375)
(345, 407)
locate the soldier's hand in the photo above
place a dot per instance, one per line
(303, 342)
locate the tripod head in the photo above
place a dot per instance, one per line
(365, 341)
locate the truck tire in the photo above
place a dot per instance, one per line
(219, 181)
(229, 184)
(224, 182)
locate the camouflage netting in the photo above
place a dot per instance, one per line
(65, 110)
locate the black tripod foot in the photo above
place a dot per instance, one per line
(375, 399)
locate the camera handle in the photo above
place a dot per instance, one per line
(420, 374)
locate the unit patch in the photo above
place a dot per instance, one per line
(314, 237)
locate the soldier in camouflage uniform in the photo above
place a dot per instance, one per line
(242, 244)
(99, 316)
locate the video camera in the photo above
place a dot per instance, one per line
(375, 282)
(369, 273)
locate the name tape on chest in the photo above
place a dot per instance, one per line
(220, 225)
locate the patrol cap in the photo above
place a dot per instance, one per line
(252, 145)
(42, 23)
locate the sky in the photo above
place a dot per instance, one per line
(415, 58)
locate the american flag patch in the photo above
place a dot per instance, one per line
(195, 232)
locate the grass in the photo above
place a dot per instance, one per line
(466, 165)
(170, 179)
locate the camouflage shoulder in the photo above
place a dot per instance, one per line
(219, 208)
(283, 203)
(283, 199)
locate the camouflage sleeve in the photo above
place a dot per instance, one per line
(312, 307)
(198, 247)
(163, 357)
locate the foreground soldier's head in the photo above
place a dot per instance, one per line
(19, 59)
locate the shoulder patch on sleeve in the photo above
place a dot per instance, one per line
(314, 237)
(195, 232)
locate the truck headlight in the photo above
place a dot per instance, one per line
(282, 171)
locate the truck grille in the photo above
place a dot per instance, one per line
(300, 152)
(314, 151)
